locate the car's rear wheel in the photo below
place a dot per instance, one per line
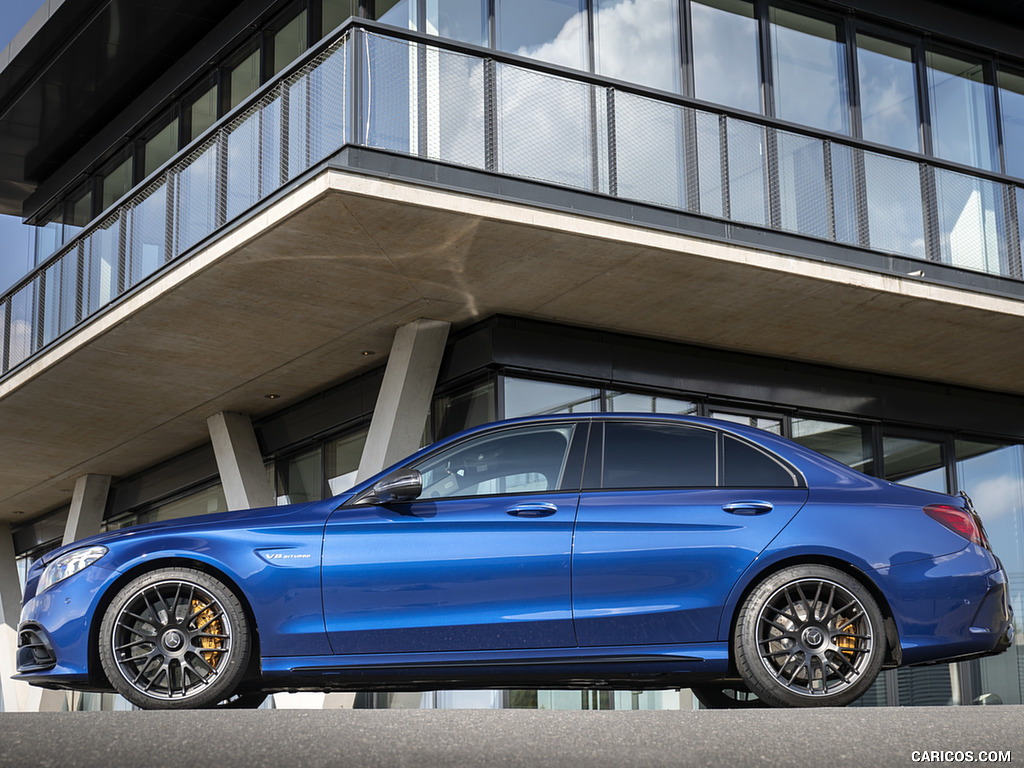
(175, 638)
(809, 635)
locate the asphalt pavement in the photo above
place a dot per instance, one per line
(513, 738)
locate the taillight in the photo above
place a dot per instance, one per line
(959, 521)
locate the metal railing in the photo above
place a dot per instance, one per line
(377, 87)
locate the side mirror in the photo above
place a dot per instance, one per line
(400, 485)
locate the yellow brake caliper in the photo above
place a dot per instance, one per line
(213, 628)
(847, 642)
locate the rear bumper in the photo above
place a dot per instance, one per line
(950, 608)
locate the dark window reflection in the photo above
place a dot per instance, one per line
(658, 456)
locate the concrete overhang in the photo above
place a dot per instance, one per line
(287, 302)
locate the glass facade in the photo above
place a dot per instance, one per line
(726, 53)
(888, 93)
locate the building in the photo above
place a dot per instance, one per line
(269, 236)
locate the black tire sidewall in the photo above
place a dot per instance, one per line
(228, 677)
(748, 660)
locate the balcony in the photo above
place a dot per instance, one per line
(379, 88)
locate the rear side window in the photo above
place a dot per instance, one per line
(658, 456)
(746, 465)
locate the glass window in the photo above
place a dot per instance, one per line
(962, 107)
(399, 13)
(49, 234)
(17, 257)
(288, 42)
(726, 58)
(638, 41)
(848, 443)
(748, 466)
(520, 460)
(524, 397)
(888, 93)
(342, 461)
(809, 71)
(243, 77)
(204, 502)
(299, 478)
(200, 112)
(79, 210)
(550, 30)
(993, 475)
(334, 12)
(160, 148)
(658, 456)
(115, 183)
(919, 463)
(635, 403)
(463, 20)
(1011, 111)
(766, 423)
(465, 408)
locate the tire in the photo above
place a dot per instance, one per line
(809, 635)
(733, 696)
(175, 638)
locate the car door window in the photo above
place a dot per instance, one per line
(658, 456)
(523, 460)
(747, 466)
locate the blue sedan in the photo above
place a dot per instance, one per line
(607, 550)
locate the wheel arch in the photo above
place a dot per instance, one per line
(96, 673)
(893, 652)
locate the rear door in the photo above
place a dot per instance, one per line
(669, 517)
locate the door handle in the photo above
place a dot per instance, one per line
(748, 507)
(532, 509)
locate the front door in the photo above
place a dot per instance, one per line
(481, 560)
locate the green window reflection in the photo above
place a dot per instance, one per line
(288, 42)
(726, 58)
(243, 78)
(962, 107)
(1011, 111)
(888, 93)
(160, 148)
(638, 41)
(809, 71)
(115, 183)
(79, 210)
(550, 30)
(200, 112)
(334, 12)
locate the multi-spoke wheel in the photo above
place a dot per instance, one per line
(175, 638)
(809, 636)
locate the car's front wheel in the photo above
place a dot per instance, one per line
(809, 635)
(175, 638)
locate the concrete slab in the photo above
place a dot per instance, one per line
(287, 302)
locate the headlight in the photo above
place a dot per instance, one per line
(68, 565)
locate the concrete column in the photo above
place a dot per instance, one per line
(88, 502)
(10, 610)
(405, 393)
(239, 461)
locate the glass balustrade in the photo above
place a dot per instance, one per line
(482, 110)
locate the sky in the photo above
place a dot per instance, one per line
(14, 242)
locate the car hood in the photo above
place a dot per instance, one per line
(197, 522)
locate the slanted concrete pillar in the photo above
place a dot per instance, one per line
(10, 610)
(88, 502)
(405, 393)
(239, 461)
